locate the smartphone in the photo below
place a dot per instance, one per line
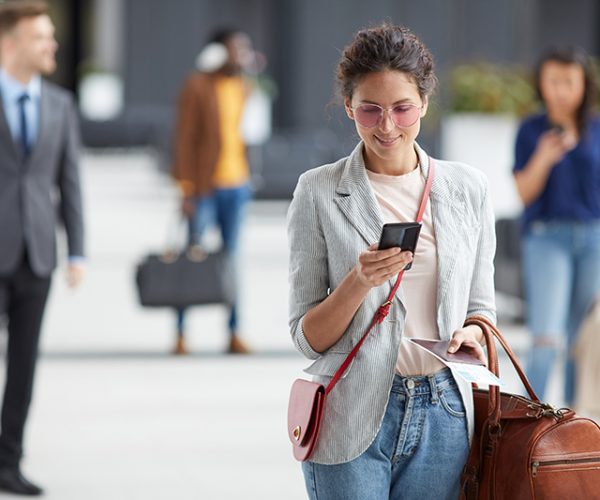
(400, 234)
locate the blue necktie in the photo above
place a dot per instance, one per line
(23, 137)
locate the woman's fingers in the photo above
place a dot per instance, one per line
(377, 266)
(476, 349)
(374, 255)
(382, 258)
(553, 145)
(384, 261)
(394, 261)
(376, 273)
(465, 341)
(391, 266)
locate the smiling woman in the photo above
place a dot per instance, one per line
(402, 74)
(384, 433)
(395, 124)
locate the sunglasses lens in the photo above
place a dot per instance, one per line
(368, 115)
(405, 115)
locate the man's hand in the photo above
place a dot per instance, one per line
(75, 273)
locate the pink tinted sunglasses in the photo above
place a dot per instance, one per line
(371, 115)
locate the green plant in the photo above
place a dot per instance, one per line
(266, 84)
(491, 88)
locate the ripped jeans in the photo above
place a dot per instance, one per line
(561, 271)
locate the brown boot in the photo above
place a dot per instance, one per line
(180, 348)
(237, 346)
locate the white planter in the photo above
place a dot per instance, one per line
(101, 96)
(485, 141)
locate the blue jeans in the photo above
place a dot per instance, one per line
(561, 270)
(226, 209)
(418, 453)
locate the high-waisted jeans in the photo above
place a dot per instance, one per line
(418, 453)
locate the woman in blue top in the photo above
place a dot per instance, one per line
(557, 172)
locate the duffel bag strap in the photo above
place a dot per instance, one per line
(490, 332)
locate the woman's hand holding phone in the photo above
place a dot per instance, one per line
(375, 266)
(553, 145)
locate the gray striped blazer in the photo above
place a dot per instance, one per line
(333, 217)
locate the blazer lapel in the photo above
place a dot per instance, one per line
(356, 199)
(7, 138)
(446, 212)
(46, 124)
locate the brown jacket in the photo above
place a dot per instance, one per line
(197, 139)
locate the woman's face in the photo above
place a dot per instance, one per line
(394, 91)
(562, 87)
(239, 51)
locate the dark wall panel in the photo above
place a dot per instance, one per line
(303, 40)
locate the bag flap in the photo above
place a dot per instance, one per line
(302, 409)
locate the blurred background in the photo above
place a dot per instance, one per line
(126, 59)
(115, 415)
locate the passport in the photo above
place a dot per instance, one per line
(440, 349)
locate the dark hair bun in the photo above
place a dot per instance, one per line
(386, 47)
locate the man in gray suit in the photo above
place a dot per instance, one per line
(39, 183)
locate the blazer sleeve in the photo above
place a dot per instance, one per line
(69, 184)
(308, 270)
(482, 295)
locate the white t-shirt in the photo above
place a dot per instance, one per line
(399, 197)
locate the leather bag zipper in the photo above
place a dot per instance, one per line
(537, 464)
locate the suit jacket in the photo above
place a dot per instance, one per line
(333, 217)
(38, 192)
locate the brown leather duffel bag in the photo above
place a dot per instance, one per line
(525, 449)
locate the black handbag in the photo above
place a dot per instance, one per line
(187, 278)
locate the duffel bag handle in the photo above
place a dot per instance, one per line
(490, 332)
(176, 235)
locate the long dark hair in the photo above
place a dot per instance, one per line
(385, 47)
(572, 55)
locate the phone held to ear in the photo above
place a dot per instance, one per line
(400, 234)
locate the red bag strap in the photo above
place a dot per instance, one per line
(384, 309)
